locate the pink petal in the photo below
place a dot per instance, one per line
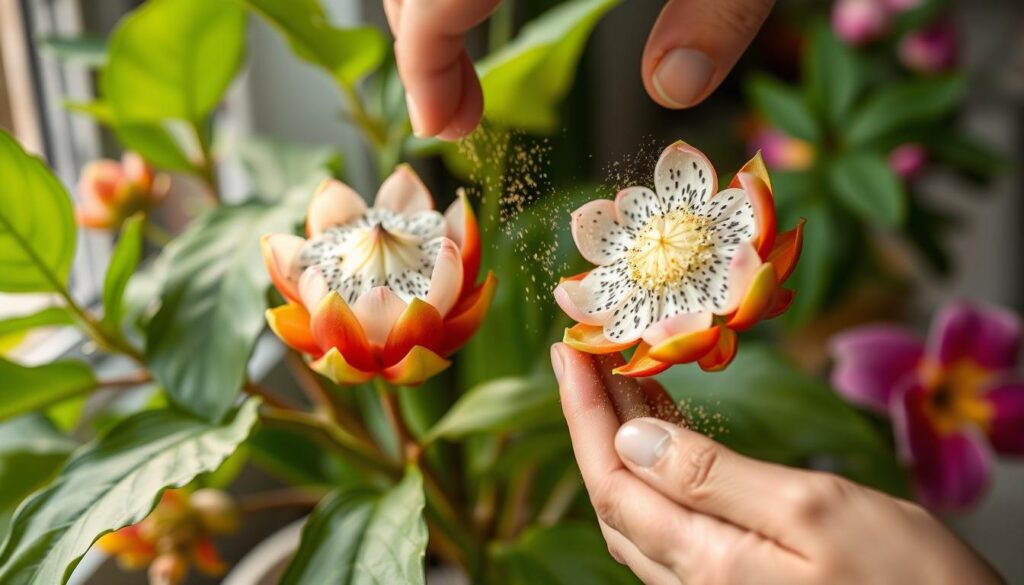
(951, 471)
(988, 335)
(455, 219)
(446, 280)
(570, 296)
(1006, 429)
(682, 323)
(684, 177)
(745, 263)
(281, 256)
(404, 192)
(377, 310)
(597, 233)
(334, 204)
(312, 287)
(871, 361)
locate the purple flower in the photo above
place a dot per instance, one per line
(952, 399)
(907, 160)
(860, 21)
(930, 50)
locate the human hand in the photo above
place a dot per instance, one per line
(691, 48)
(677, 507)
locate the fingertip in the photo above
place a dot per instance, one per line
(471, 106)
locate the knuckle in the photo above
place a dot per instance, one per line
(605, 500)
(696, 467)
(817, 497)
(614, 552)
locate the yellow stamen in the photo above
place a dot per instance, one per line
(668, 248)
(955, 396)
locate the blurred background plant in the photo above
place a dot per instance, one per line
(866, 111)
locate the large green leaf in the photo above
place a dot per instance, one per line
(37, 226)
(824, 241)
(26, 388)
(346, 53)
(765, 407)
(360, 536)
(48, 317)
(868, 187)
(110, 484)
(31, 452)
(524, 82)
(785, 108)
(906, 104)
(149, 139)
(123, 263)
(212, 303)
(566, 554)
(173, 59)
(834, 76)
(505, 404)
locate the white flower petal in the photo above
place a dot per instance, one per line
(598, 235)
(635, 206)
(732, 217)
(683, 177)
(632, 317)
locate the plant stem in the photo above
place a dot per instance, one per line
(282, 498)
(136, 379)
(357, 113)
(562, 495)
(388, 396)
(253, 389)
(207, 168)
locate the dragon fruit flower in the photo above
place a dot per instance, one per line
(388, 290)
(112, 191)
(952, 399)
(177, 533)
(858, 22)
(930, 50)
(679, 269)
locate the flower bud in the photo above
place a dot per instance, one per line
(859, 21)
(908, 160)
(216, 511)
(111, 191)
(168, 569)
(930, 50)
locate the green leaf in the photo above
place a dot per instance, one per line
(823, 244)
(765, 407)
(212, 303)
(347, 54)
(31, 452)
(868, 187)
(784, 107)
(360, 536)
(173, 59)
(566, 554)
(963, 152)
(90, 51)
(155, 144)
(113, 483)
(31, 388)
(48, 317)
(37, 226)
(834, 76)
(123, 263)
(899, 106)
(505, 404)
(275, 167)
(524, 82)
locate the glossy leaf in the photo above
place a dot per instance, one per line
(903, 105)
(765, 407)
(149, 139)
(37, 226)
(524, 82)
(868, 187)
(505, 404)
(347, 54)
(785, 108)
(110, 484)
(48, 317)
(31, 452)
(123, 263)
(834, 76)
(30, 388)
(173, 59)
(361, 536)
(212, 302)
(565, 554)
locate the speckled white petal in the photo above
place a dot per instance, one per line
(631, 317)
(598, 235)
(683, 177)
(732, 217)
(635, 206)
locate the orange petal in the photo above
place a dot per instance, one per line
(280, 255)
(335, 326)
(463, 230)
(757, 301)
(94, 216)
(721, 355)
(755, 166)
(467, 316)
(291, 323)
(417, 365)
(207, 559)
(591, 339)
(783, 298)
(334, 367)
(574, 277)
(404, 192)
(641, 364)
(786, 252)
(686, 347)
(677, 325)
(334, 203)
(419, 324)
(760, 196)
(744, 265)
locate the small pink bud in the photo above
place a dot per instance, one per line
(930, 50)
(859, 21)
(908, 160)
(781, 151)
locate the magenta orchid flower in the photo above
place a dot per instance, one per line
(952, 399)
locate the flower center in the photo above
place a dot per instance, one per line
(668, 248)
(955, 395)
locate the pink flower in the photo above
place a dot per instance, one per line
(780, 150)
(930, 50)
(907, 160)
(952, 399)
(902, 5)
(860, 21)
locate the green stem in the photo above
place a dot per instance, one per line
(207, 168)
(371, 128)
(156, 235)
(408, 447)
(499, 32)
(562, 495)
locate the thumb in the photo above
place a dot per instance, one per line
(694, 44)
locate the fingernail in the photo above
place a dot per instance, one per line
(642, 442)
(414, 116)
(557, 361)
(681, 76)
